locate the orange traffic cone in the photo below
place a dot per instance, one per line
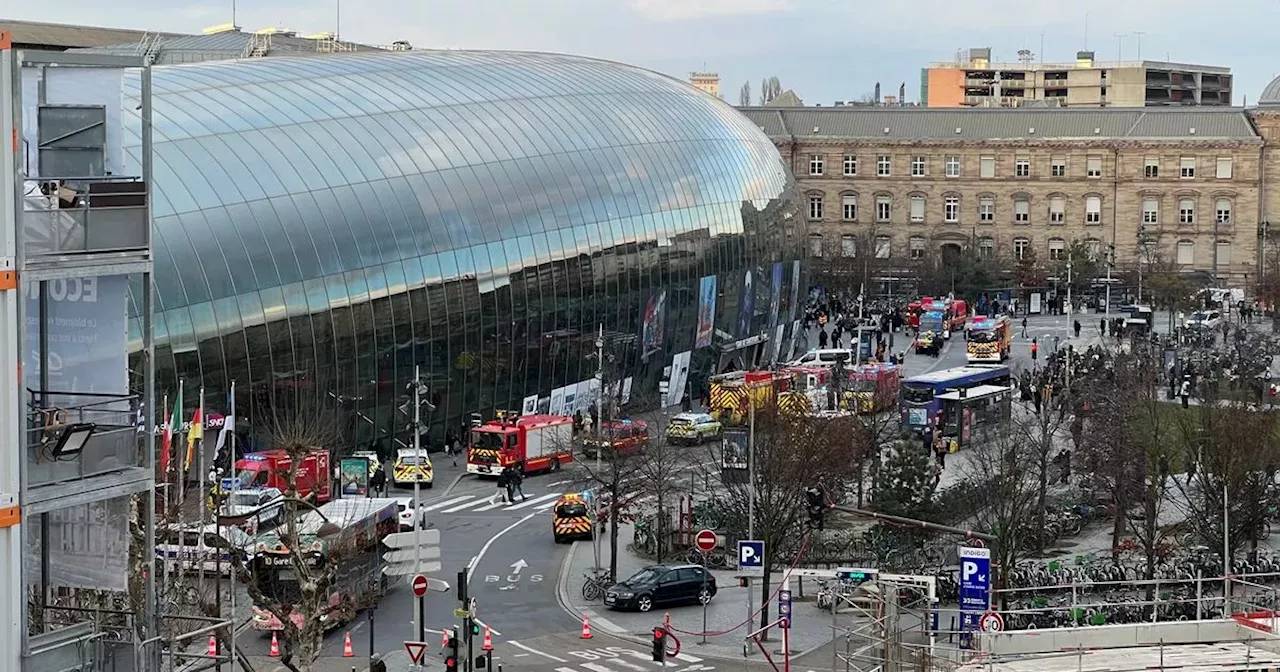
(213, 646)
(488, 639)
(586, 627)
(275, 646)
(444, 637)
(347, 652)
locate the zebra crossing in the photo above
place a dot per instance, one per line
(480, 503)
(606, 659)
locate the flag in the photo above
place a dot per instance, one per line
(172, 423)
(196, 433)
(229, 422)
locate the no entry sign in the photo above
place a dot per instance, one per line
(419, 585)
(706, 540)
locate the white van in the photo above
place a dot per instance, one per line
(826, 357)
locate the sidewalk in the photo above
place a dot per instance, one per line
(725, 615)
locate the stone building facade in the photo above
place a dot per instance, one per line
(1173, 187)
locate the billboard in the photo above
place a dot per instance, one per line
(88, 332)
(706, 311)
(655, 324)
(775, 293)
(746, 306)
(355, 476)
(795, 289)
(88, 546)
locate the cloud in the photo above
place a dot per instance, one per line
(684, 10)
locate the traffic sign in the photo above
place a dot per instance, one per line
(975, 585)
(408, 569)
(409, 550)
(415, 650)
(706, 540)
(419, 588)
(410, 539)
(784, 608)
(751, 557)
(411, 555)
(991, 622)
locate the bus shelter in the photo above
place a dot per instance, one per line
(974, 415)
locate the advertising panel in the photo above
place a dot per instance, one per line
(87, 330)
(795, 289)
(679, 375)
(746, 306)
(355, 476)
(775, 295)
(655, 324)
(706, 311)
(88, 546)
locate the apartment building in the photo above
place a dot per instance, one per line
(901, 183)
(974, 80)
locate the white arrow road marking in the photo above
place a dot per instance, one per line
(530, 649)
(518, 565)
(533, 502)
(471, 569)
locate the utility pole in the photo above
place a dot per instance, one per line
(1069, 304)
(1138, 34)
(595, 528)
(1111, 260)
(751, 496)
(1120, 49)
(857, 352)
(416, 389)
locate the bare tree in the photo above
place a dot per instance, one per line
(791, 454)
(1041, 431)
(1005, 499)
(744, 95)
(659, 469)
(299, 422)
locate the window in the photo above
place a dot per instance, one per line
(1057, 209)
(1020, 247)
(815, 245)
(849, 207)
(815, 164)
(1186, 211)
(1150, 211)
(1224, 253)
(1188, 167)
(986, 248)
(987, 167)
(850, 165)
(917, 209)
(917, 247)
(1093, 167)
(953, 166)
(951, 209)
(884, 208)
(1092, 209)
(1152, 167)
(1186, 252)
(1093, 247)
(883, 247)
(1224, 168)
(1022, 167)
(1222, 211)
(987, 209)
(1021, 210)
(848, 246)
(1057, 249)
(1058, 167)
(917, 166)
(815, 206)
(884, 165)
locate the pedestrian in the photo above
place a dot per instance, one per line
(1035, 348)
(455, 449)
(1024, 326)
(500, 494)
(509, 474)
(1076, 325)
(517, 480)
(1185, 392)
(822, 339)
(940, 450)
(378, 481)
(1102, 327)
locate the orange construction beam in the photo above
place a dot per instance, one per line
(6, 39)
(8, 280)
(10, 516)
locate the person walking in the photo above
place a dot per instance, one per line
(822, 339)
(1185, 391)
(1076, 326)
(1024, 326)
(1035, 349)
(509, 481)
(1102, 327)
(517, 481)
(500, 494)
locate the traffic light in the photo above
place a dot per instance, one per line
(817, 507)
(659, 644)
(451, 652)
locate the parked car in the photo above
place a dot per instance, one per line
(196, 546)
(1209, 319)
(825, 357)
(254, 510)
(408, 515)
(693, 428)
(662, 585)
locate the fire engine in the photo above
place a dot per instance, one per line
(531, 443)
(732, 394)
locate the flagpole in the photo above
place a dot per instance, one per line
(198, 444)
(164, 479)
(175, 424)
(229, 426)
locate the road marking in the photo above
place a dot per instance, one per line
(544, 507)
(688, 658)
(629, 666)
(489, 507)
(559, 483)
(532, 502)
(447, 502)
(464, 505)
(530, 649)
(484, 549)
(596, 667)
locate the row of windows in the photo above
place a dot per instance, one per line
(1055, 214)
(1057, 248)
(952, 166)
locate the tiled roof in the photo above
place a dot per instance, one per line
(65, 36)
(919, 123)
(788, 98)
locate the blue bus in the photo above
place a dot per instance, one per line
(918, 396)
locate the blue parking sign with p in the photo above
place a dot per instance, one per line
(975, 585)
(751, 557)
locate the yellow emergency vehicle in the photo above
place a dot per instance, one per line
(570, 519)
(411, 466)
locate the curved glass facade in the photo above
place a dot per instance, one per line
(333, 221)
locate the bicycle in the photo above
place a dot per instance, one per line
(595, 585)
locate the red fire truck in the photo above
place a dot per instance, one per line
(531, 442)
(270, 469)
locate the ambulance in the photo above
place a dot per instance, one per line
(412, 466)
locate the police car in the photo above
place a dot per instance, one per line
(693, 428)
(412, 466)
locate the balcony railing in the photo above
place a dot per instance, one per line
(77, 218)
(112, 445)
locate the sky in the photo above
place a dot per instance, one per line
(826, 50)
